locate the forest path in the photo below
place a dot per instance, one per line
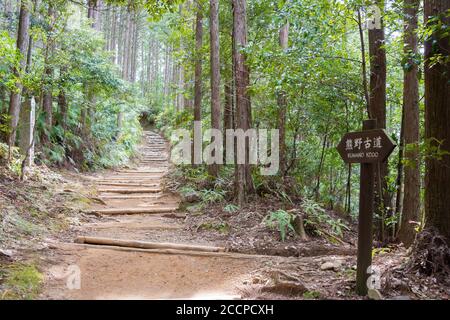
(135, 208)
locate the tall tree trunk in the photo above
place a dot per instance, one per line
(127, 47)
(377, 108)
(166, 71)
(88, 111)
(411, 199)
(244, 182)
(156, 67)
(28, 112)
(62, 107)
(22, 41)
(364, 63)
(134, 47)
(112, 44)
(399, 183)
(151, 76)
(47, 93)
(120, 43)
(282, 104)
(228, 109)
(437, 119)
(197, 148)
(198, 66)
(215, 74)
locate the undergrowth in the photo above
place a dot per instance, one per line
(20, 281)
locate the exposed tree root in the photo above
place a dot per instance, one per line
(430, 256)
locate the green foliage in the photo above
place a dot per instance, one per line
(211, 196)
(231, 208)
(9, 59)
(14, 164)
(23, 281)
(221, 227)
(312, 295)
(90, 81)
(317, 216)
(280, 220)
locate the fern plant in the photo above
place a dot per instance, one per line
(316, 215)
(280, 220)
(212, 196)
(230, 208)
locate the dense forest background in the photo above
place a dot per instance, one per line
(95, 71)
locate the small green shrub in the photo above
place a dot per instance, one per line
(221, 227)
(230, 208)
(311, 295)
(280, 220)
(316, 216)
(212, 196)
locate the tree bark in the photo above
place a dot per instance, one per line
(22, 41)
(411, 198)
(47, 93)
(400, 173)
(215, 74)
(364, 63)
(437, 119)
(377, 109)
(198, 66)
(244, 182)
(282, 105)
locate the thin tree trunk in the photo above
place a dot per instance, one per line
(112, 44)
(364, 63)
(120, 44)
(400, 171)
(14, 102)
(198, 66)
(88, 111)
(47, 93)
(134, 47)
(321, 162)
(282, 105)
(126, 47)
(377, 108)
(215, 74)
(28, 113)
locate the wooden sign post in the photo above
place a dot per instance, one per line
(368, 147)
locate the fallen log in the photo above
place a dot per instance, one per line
(128, 211)
(230, 255)
(117, 184)
(128, 197)
(129, 191)
(146, 245)
(132, 178)
(143, 171)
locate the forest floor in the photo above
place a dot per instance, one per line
(43, 261)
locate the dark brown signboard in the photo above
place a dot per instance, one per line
(369, 146)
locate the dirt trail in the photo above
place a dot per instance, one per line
(111, 272)
(108, 273)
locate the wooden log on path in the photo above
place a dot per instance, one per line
(130, 197)
(128, 211)
(146, 245)
(116, 184)
(130, 191)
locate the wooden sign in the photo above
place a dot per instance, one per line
(369, 146)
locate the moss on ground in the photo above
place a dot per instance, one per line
(20, 281)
